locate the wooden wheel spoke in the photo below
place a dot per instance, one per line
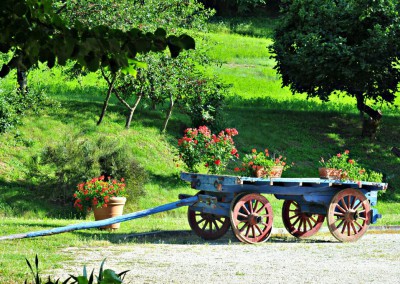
(295, 222)
(215, 225)
(339, 214)
(358, 224)
(358, 205)
(255, 205)
(262, 208)
(341, 222)
(200, 221)
(205, 225)
(247, 231)
(309, 223)
(340, 208)
(300, 224)
(313, 219)
(352, 202)
(245, 208)
(219, 220)
(294, 216)
(353, 227)
(253, 231)
(258, 229)
(304, 225)
(344, 226)
(242, 215)
(343, 203)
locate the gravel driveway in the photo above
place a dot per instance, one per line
(180, 257)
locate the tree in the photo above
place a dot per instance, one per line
(157, 81)
(351, 46)
(32, 31)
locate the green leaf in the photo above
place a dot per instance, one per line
(129, 70)
(187, 42)
(110, 277)
(82, 280)
(160, 32)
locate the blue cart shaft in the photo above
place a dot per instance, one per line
(106, 222)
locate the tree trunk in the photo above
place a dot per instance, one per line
(22, 80)
(132, 110)
(109, 92)
(169, 113)
(370, 124)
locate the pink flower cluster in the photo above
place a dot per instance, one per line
(201, 146)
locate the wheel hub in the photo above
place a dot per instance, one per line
(254, 219)
(351, 215)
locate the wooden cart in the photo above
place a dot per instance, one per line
(238, 202)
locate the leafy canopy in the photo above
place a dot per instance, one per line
(34, 32)
(353, 46)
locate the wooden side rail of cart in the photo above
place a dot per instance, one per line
(238, 203)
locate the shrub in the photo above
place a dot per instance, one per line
(14, 105)
(199, 146)
(58, 169)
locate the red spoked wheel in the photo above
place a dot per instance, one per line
(208, 226)
(251, 218)
(348, 215)
(300, 224)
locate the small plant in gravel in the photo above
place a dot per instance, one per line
(107, 276)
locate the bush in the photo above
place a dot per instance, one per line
(205, 100)
(14, 104)
(58, 169)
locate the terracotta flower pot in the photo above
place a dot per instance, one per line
(274, 172)
(330, 173)
(114, 208)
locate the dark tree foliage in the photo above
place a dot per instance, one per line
(350, 46)
(34, 32)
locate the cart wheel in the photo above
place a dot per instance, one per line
(348, 215)
(208, 226)
(251, 218)
(298, 224)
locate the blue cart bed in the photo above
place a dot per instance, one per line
(239, 202)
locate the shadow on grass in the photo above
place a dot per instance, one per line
(20, 199)
(185, 237)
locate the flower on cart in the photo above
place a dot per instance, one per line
(199, 146)
(349, 169)
(96, 193)
(263, 160)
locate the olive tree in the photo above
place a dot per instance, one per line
(349, 46)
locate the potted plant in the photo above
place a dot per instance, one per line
(262, 164)
(199, 146)
(106, 197)
(341, 167)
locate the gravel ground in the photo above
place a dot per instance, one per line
(180, 257)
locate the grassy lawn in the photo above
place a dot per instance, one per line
(265, 115)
